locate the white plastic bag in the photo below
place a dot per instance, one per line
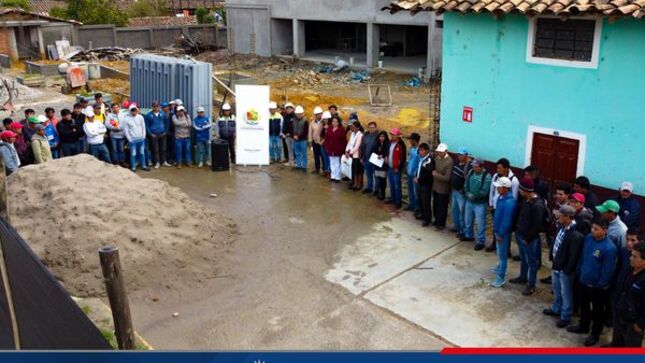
(346, 166)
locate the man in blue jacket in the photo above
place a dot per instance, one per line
(202, 125)
(157, 124)
(595, 272)
(503, 226)
(630, 208)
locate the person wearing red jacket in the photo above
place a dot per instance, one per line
(335, 143)
(396, 163)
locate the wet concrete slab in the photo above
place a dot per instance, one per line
(392, 247)
(451, 296)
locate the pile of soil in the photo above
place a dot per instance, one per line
(67, 209)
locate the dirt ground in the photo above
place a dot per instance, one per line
(71, 207)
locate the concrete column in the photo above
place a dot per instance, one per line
(298, 38)
(41, 43)
(373, 44)
(435, 40)
(13, 45)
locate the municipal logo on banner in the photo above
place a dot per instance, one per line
(252, 117)
(252, 141)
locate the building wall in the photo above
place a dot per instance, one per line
(484, 66)
(5, 45)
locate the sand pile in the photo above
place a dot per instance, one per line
(68, 208)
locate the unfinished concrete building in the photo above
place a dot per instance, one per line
(327, 30)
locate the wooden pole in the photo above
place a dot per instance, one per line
(3, 266)
(113, 277)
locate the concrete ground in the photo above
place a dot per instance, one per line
(317, 266)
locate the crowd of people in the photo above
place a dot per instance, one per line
(165, 136)
(596, 249)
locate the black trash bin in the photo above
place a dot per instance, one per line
(220, 156)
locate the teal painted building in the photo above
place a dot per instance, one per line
(564, 93)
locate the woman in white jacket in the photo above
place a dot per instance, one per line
(353, 151)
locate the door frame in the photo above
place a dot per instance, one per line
(582, 144)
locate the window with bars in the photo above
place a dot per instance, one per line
(571, 40)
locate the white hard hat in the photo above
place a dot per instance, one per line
(226, 107)
(43, 118)
(132, 107)
(326, 115)
(272, 105)
(503, 182)
(179, 102)
(299, 109)
(200, 109)
(317, 110)
(89, 113)
(181, 108)
(442, 148)
(288, 104)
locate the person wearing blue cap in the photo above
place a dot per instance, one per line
(457, 181)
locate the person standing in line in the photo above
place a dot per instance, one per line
(114, 125)
(503, 170)
(226, 129)
(396, 162)
(52, 135)
(617, 231)
(476, 190)
(287, 132)
(381, 149)
(79, 118)
(95, 132)
(29, 124)
(70, 134)
(630, 208)
(326, 121)
(183, 126)
(300, 133)
(582, 185)
(412, 170)
(8, 152)
(595, 272)
(503, 226)
(457, 181)
(157, 125)
(29, 112)
(441, 186)
(333, 110)
(275, 133)
(560, 199)
(98, 101)
(353, 151)
(367, 147)
(541, 188)
(21, 144)
(202, 126)
(50, 113)
(530, 219)
(424, 179)
(583, 215)
(315, 139)
(40, 146)
(566, 250)
(335, 144)
(170, 135)
(135, 132)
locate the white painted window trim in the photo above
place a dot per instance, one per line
(582, 146)
(595, 51)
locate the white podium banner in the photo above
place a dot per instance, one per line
(252, 126)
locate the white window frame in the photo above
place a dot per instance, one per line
(595, 50)
(582, 144)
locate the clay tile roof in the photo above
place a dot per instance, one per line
(162, 20)
(633, 8)
(42, 7)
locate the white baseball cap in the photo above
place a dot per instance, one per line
(503, 182)
(317, 110)
(442, 148)
(299, 109)
(181, 108)
(179, 102)
(627, 186)
(272, 105)
(132, 107)
(326, 115)
(89, 113)
(226, 107)
(288, 104)
(43, 118)
(200, 109)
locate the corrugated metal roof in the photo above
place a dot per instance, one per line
(6, 11)
(633, 8)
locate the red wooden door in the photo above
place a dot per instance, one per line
(556, 157)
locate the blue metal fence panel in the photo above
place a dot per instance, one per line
(154, 77)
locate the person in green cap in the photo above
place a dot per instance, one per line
(30, 128)
(617, 231)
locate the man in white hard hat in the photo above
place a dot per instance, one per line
(275, 133)
(300, 134)
(287, 133)
(226, 129)
(443, 164)
(316, 140)
(95, 131)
